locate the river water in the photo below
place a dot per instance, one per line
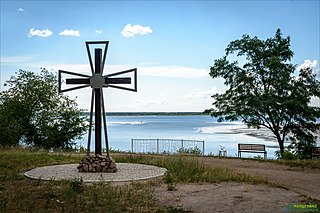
(216, 136)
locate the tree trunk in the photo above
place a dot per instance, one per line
(281, 143)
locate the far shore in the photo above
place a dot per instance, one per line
(152, 113)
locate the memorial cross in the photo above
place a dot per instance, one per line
(97, 81)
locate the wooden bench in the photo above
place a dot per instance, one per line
(315, 152)
(253, 148)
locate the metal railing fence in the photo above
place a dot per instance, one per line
(167, 146)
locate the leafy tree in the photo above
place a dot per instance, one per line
(33, 113)
(266, 92)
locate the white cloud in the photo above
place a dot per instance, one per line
(132, 30)
(173, 95)
(20, 10)
(70, 33)
(163, 101)
(311, 64)
(78, 68)
(147, 63)
(157, 71)
(98, 31)
(308, 63)
(202, 94)
(16, 59)
(41, 33)
(315, 101)
(173, 71)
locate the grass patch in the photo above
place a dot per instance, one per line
(185, 169)
(21, 160)
(19, 194)
(311, 164)
(304, 163)
(60, 196)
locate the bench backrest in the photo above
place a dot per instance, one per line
(255, 147)
(315, 150)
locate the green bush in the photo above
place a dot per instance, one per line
(77, 185)
(169, 180)
(192, 150)
(287, 155)
(33, 113)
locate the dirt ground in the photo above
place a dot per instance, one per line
(243, 197)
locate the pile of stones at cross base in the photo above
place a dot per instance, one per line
(97, 163)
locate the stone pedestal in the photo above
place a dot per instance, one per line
(97, 163)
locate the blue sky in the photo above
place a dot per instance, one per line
(172, 43)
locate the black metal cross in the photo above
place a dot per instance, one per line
(97, 81)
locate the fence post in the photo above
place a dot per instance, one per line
(182, 144)
(203, 147)
(131, 145)
(158, 146)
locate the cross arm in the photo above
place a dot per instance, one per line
(106, 80)
(73, 81)
(78, 81)
(117, 80)
(125, 80)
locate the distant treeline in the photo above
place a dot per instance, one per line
(149, 113)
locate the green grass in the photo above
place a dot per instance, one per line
(59, 196)
(20, 194)
(21, 161)
(312, 164)
(185, 169)
(303, 163)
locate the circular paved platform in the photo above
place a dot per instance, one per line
(126, 172)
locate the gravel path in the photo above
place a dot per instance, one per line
(304, 181)
(245, 197)
(126, 172)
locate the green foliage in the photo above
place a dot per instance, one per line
(188, 169)
(20, 160)
(171, 209)
(33, 113)
(265, 91)
(286, 155)
(296, 150)
(304, 163)
(183, 169)
(302, 148)
(77, 185)
(191, 170)
(169, 180)
(192, 150)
